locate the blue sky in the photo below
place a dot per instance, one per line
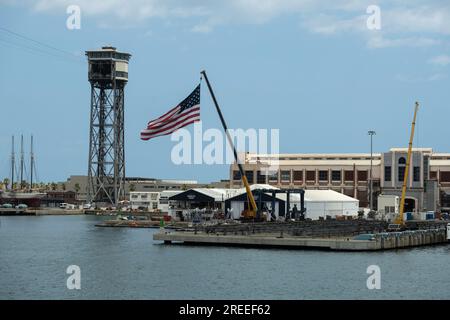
(311, 69)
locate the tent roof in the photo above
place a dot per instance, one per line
(318, 196)
(217, 194)
(327, 195)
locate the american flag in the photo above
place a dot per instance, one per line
(185, 113)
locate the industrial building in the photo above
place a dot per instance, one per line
(151, 201)
(349, 174)
(79, 185)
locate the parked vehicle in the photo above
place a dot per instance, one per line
(67, 206)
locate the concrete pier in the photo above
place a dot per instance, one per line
(382, 241)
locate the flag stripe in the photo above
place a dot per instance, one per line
(171, 131)
(185, 113)
(172, 125)
(173, 119)
(165, 116)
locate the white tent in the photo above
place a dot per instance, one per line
(322, 203)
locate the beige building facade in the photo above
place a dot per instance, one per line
(428, 183)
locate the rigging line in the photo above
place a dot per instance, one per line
(36, 173)
(39, 42)
(34, 50)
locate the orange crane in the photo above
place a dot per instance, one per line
(400, 218)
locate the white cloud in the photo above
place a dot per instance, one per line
(381, 42)
(329, 24)
(418, 79)
(403, 22)
(202, 28)
(430, 19)
(441, 60)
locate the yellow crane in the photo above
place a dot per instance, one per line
(252, 212)
(400, 219)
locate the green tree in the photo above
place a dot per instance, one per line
(53, 186)
(6, 182)
(25, 185)
(63, 186)
(132, 187)
(77, 189)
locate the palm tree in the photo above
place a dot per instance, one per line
(6, 182)
(77, 189)
(132, 187)
(53, 186)
(63, 186)
(25, 185)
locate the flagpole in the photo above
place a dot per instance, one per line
(230, 140)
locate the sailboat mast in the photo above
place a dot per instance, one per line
(13, 161)
(21, 162)
(31, 163)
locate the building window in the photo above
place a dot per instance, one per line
(298, 175)
(445, 176)
(236, 175)
(401, 174)
(362, 175)
(336, 175)
(416, 174)
(310, 175)
(362, 196)
(349, 175)
(260, 178)
(426, 167)
(273, 177)
(323, 175)
(286, 176)
(402, 160)
(387, 173)
(349, 192)
(433, 175)
(249, 175)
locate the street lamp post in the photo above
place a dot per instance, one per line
(371, 133)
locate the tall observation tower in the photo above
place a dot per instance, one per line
(108, 75)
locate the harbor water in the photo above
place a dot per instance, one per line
(125, 263)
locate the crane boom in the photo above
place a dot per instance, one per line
(400, 219)
(253, 209)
